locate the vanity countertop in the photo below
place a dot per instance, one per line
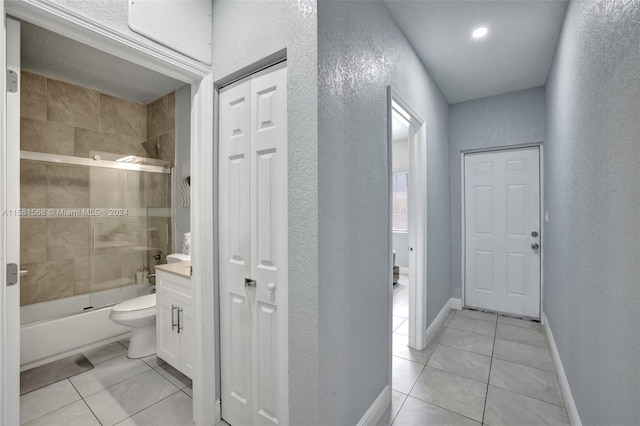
(182, 269)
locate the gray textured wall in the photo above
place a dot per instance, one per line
(183, 152)
(245, 32)
(511, 119)
(592, 192)
(361, 51)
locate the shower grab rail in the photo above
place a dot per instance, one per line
(92, 162)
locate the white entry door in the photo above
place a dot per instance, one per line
(253, 224)
(502, 227)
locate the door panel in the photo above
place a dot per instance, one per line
(10, 309)
(167, 340)
(502, 209)
(235, 253)
(269, 244)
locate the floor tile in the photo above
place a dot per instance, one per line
(452, 392)
(508, 408)
(527, 381)
(76, 414)
(47, 400)
(401, 297)
(520, 322)
(404, 374)
(476, 315)
(400, 310)
(400, 349)
(474, 325)
(417, 412)
(468, 341)
(106, 374)
(104, 353)
(397, 399)
(173, 375)
(119, 402)
(403, 329)
(461, 362)
(176, 410)
(522, 335)
(520, 353)
(396, 321)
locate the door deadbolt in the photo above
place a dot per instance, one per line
(248, 282)
(534, 234)
(535, 246)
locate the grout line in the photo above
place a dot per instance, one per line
(486, 394)
(115, 384)
(85, 403)
(140, 411)
(467, 350)
(406, 396)
(443, 408)
(531, 397)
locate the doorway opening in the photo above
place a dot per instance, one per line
(407, 226)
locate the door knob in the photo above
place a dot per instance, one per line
(535, 246)
(248, 282)
(534, 234)
(271, 286)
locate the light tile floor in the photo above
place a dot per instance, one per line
(479, 368)
(117, 390)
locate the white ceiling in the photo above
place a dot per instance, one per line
(50, 54)
(515, 55)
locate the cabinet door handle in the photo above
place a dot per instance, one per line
(173, 321)
(180, 310)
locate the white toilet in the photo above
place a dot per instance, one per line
(140, 315)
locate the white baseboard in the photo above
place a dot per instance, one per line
(437, 322)
(377, 409)
(456, 303)
(569, 403)
(218, 411)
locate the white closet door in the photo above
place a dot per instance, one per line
(253, 245)
(502, 222)
(269, 245)
(235, 252)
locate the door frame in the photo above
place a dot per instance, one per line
(417, 292)
(150, 55)
(463, 263)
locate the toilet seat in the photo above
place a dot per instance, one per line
(139, 304)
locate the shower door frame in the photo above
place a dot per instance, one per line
(203, 170)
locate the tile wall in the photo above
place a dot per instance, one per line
(60, 252)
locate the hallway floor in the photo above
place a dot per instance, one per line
(118, 390)
(479, 368)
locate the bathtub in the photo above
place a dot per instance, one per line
(59, 328)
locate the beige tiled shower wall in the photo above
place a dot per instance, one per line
(62, 118)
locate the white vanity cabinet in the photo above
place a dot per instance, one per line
(174, 325)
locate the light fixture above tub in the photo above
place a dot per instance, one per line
(479, 32)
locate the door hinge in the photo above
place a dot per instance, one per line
(12, 81)
(12, 274)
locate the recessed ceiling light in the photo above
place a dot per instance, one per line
(480, 32)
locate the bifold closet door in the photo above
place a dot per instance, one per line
(253, 247)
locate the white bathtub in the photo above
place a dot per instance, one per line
(59, 328)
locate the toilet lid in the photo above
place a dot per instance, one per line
(137, 304)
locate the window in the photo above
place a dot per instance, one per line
(400, 202)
